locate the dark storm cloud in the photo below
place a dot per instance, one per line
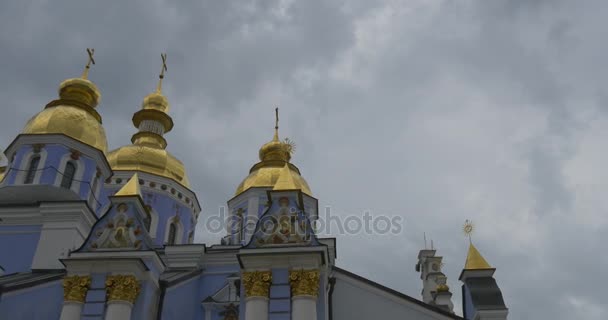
(438, 111)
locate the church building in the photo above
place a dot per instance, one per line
(91, 233)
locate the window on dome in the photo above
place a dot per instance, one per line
(68, 175)
(31, 170)
(92, 198)
(172, 234)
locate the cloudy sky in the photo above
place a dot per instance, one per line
(434, 110)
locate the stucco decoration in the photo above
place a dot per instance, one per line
(283, 224)
(257, 283)
(75, 288)
(304, 282)
(121, 232)
(122, 288)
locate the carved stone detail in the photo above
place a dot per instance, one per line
(122, 288)
(257, 283)
(304, 282)
(75, 288)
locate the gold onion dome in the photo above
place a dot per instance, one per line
(73, 114)
(274, 169)
(148, 153)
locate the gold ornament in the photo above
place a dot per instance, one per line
(304, 282)
(75, 288)
(257, 283)
(122, 287)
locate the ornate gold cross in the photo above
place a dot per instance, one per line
(163, 56)
(85, 73)
(276, 121)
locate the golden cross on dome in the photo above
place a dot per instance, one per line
(468, 229)
(85, 73)
(276, 121)
(163, 56)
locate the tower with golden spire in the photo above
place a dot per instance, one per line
(274, 172)
(481, 297)
(174, 208)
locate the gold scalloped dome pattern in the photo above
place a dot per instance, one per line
(73, 114)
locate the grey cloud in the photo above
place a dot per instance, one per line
(438, 111)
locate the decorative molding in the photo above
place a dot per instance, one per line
(257, 283)
(122, 288)
(304, 282)
(75, 288)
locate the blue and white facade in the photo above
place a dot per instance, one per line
(82, 240)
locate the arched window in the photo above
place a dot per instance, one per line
(172, 234)
(68, 175)
(148, 220)
(31, 170)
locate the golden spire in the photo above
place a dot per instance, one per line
(475, 260)
(285, 180)
(85, 73)
(131, 188)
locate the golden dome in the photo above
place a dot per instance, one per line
(147, 153)
(148, 159)
(73, 114)
(274, 156)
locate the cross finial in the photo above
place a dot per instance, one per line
(276, 123)
(163, 56)
(85, 73)
(468, 229)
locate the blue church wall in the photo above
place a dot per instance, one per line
(95, 301)
(183, 301)
(17, 247)
(146, 303)
(51, 166)
(38, 303)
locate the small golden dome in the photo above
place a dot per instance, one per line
(73, 114)
(274, 160)
(147, 153)
(266, 174)
(148, 159)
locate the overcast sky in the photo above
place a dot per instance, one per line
(434, 110)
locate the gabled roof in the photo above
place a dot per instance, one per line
(396, 293)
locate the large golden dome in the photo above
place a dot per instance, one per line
(73, 114)
(148, 159)
(274, 156)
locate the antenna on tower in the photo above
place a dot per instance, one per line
(432, 248)
(424, 233)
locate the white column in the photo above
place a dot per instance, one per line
(304, 308)
(71, 310)
(256, 308)
(119, 310)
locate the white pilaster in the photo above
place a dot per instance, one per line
(256, 308)
(304, 308)
(71, 310)
(119, 310)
